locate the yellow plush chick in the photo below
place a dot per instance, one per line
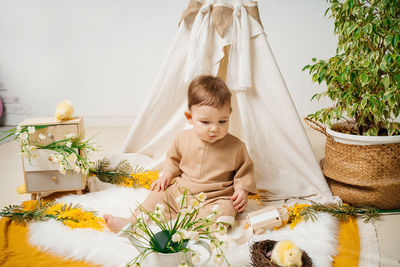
(64, 110)
(21, 189)
(286, 254)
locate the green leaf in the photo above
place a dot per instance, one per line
(364, 102)
(368, 28)
(388, 40)
(386, 81)
(395, 41)
(314, 59)
(306, 67)
(364, 78)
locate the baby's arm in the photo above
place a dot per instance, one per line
(163, 182)
(243, 182)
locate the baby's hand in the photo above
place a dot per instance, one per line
(239, 200)
(162, 183)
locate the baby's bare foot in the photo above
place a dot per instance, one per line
(115, 223)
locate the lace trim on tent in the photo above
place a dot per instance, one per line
(221, 14)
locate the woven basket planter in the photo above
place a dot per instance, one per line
(260, 254)
(362, 174)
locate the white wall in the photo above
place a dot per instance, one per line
(103, 55)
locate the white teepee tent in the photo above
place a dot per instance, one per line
(226, 38)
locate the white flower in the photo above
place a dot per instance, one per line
(71, 158)
(218, 259)
(31, 129)
(195, 258)
(186, 211)
(77, 169)
(19, 128)
(201, 196)
(177, 237)
(70, 135)
(31, 148)
(159, 206)
(62, 170)
(42, 137)
(222, 229)
(179, 200)
(23, 136)
(216, 209)
(68, 144)
(196, 204)
(192, 235)
(211, 216)
(183, 264)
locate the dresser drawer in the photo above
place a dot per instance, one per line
(53, 134)
(41, 181)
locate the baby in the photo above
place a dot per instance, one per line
(205, 159)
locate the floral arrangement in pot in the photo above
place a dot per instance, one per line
(169, 239)
(362, 152)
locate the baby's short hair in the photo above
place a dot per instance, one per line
(207, 90)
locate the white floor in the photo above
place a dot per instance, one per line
(11, 175)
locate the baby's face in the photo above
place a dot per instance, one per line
(209, 123)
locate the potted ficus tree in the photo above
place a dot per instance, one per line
(363, 81)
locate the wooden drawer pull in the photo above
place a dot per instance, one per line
(54, 178)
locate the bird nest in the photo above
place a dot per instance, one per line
(260, 253)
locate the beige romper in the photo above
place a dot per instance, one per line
(216, 169)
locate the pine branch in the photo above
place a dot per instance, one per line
(342, 212)
(115, 175)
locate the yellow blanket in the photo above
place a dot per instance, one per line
(15, 250)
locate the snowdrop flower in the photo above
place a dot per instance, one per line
(196, 204)
(201, 196)
(211, 216)
(216, 209)
(183, 264)
(222, 229)
(218, 259)
(144, 217)
(62, 170)
(68, 144)
(71, 158)
(42, 137)
(23, 136)
(179, 200)
(195, 258)
(70, 135)
(31, 129)
(186, 211)
(192, 235)
(177, 237)
(77, 169)
(31, 148)
(159, 206)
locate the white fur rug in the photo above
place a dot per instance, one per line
(318, 239)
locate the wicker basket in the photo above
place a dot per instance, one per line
(362, 174)
(260, 250)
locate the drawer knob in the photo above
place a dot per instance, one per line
(54, 178)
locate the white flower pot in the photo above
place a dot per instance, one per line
(163, 259)
(361, 139)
